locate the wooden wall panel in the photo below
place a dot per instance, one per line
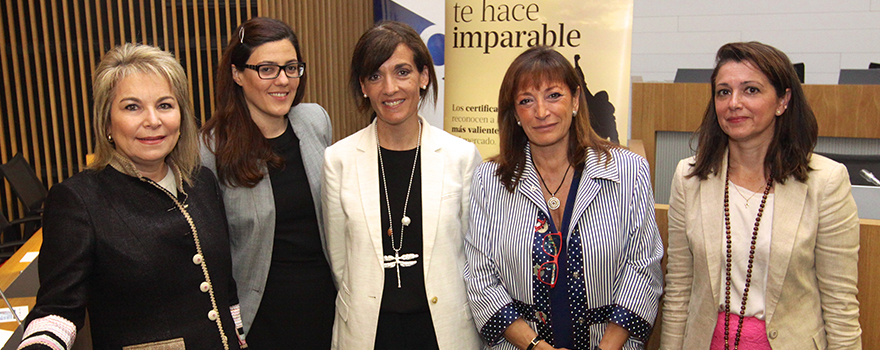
(328, 31)
(49, 49)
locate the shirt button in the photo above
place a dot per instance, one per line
(533, 188)
(197, 259)
(434, 300)
(205, 287)
(773, 334)
(576, 274)
(213, 315)
(581, 320)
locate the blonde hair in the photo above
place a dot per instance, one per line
(128, 59)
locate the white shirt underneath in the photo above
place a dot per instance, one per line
(169, 182)
(742, 223)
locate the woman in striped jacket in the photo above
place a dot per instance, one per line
(562, 247)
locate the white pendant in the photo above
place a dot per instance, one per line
(553, 203)
(405, 221)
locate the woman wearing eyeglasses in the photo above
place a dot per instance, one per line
(562, 247)
(267, 151)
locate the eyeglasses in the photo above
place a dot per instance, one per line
(549, 271)
(272, 71)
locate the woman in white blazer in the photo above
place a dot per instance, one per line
(399, 276)
(763, 234)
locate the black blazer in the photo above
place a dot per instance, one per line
(119, 247)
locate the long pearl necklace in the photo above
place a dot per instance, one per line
(397, 260)
(742, 310)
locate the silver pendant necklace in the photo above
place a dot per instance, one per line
(397, 261)
(553, 202)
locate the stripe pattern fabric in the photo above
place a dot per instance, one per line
(620, 247)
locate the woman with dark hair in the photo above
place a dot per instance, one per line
(267, 149)
(763, 233)
(139, 240)
(396, 207)
(562, 245)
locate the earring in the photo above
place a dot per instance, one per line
(778, 112)
(574, 113)
(365, 95)
(424, 87)
(518, 123)
(110, 138)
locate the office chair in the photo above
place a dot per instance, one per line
(799, 70)
(859, 77)
(10, 238)
(25, 184)
(693, 75)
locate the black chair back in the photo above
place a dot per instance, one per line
(25, 184)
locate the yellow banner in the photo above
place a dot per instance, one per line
(484, 36)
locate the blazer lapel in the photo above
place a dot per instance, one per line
(788, 202)
(432, 172)
(368, 180)
(312, 154)
(712, 210)
(588, 189)
(528, 184)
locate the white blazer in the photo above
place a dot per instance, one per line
(353, 227)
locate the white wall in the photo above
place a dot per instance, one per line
(826, 35)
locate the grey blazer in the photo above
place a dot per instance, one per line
(251, 211)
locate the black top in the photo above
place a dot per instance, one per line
(297, 236)
(411, 297)
(298, 300)
(119, 247)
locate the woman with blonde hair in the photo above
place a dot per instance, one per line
(138, 240)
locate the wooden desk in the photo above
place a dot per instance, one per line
(869, 279)
(841, 110)
(11, 269)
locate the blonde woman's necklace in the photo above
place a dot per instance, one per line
(397, 261)
(553, 202)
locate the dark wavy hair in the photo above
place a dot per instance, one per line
(531, 68)
(241, 150)
(376, 46)
(795, 131)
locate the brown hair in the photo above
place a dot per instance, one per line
(795, 132)
(376, 45)
(240, 148)
(531, 68)
(126, 60)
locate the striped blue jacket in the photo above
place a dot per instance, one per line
(614, 213)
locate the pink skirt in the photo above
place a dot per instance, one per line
(753, 336)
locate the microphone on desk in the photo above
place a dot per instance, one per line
(12, 310)
(869, 176)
